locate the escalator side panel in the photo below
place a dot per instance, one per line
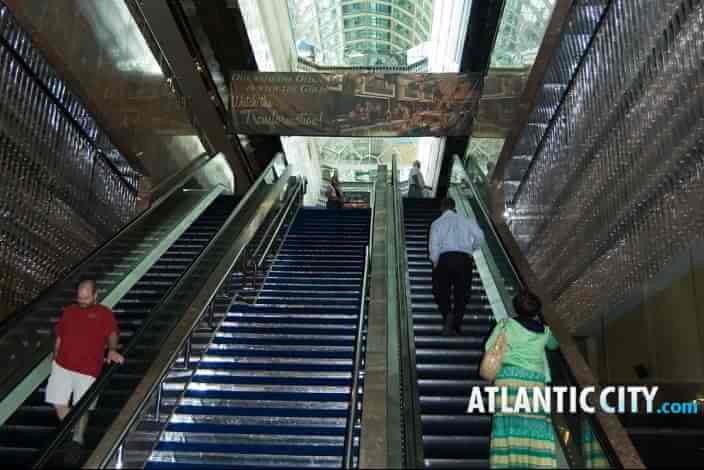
(36, 418)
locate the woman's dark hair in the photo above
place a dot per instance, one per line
(527, 304)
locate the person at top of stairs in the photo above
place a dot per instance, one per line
(336, 197)
(453, 239)
(416, 183)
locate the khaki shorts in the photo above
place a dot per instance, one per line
(64, 383)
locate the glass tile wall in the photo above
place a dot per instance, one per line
(608, 203)
(64, 187)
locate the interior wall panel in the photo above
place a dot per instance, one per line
(64, 188)
(614, 192)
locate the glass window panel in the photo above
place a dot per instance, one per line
(521, 32)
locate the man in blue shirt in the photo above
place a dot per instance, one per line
(453, 239)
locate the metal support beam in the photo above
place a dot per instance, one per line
(484, 21)
(165, 30)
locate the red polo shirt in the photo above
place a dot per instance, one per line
(84, 335)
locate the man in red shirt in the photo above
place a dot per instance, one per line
(82, 334)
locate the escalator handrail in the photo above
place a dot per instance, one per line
(78, 410)
(562, 363)
(413, 437)
(495, 234)
(183, 176)
(354, 393)
(53, 289)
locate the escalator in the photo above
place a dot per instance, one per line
(34, 424)
(438, 373)
(109, 265)
(446, 368)
(274, 386)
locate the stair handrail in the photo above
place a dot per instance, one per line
(79, 409)
(281, 216)
(180, 178)
(357, 365)
(556, 358)
(352, 413)
(412, 435)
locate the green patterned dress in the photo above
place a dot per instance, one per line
(522, 440)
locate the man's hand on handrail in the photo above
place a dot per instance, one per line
(114, 357)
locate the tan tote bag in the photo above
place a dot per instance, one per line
(494, 357)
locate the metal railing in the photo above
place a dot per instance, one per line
(187, 346)
(352, 415)
(89, 397)
(258, 256)
(410, 404)
(561, 372)
(357, 369)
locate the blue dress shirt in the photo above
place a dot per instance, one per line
(454, 232)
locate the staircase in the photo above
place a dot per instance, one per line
(34, 424)
(447, 368)
(273, 388)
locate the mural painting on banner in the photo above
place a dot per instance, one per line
(354, 104)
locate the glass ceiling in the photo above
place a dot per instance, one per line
(360, 33)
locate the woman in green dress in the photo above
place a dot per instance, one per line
(523, 440)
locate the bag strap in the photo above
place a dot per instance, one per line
(503, 324)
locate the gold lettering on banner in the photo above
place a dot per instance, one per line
(272, 118)
(252, 101)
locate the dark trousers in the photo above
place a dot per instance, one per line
(334, 204)
(452, 276)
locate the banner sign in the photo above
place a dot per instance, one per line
(354, 104)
